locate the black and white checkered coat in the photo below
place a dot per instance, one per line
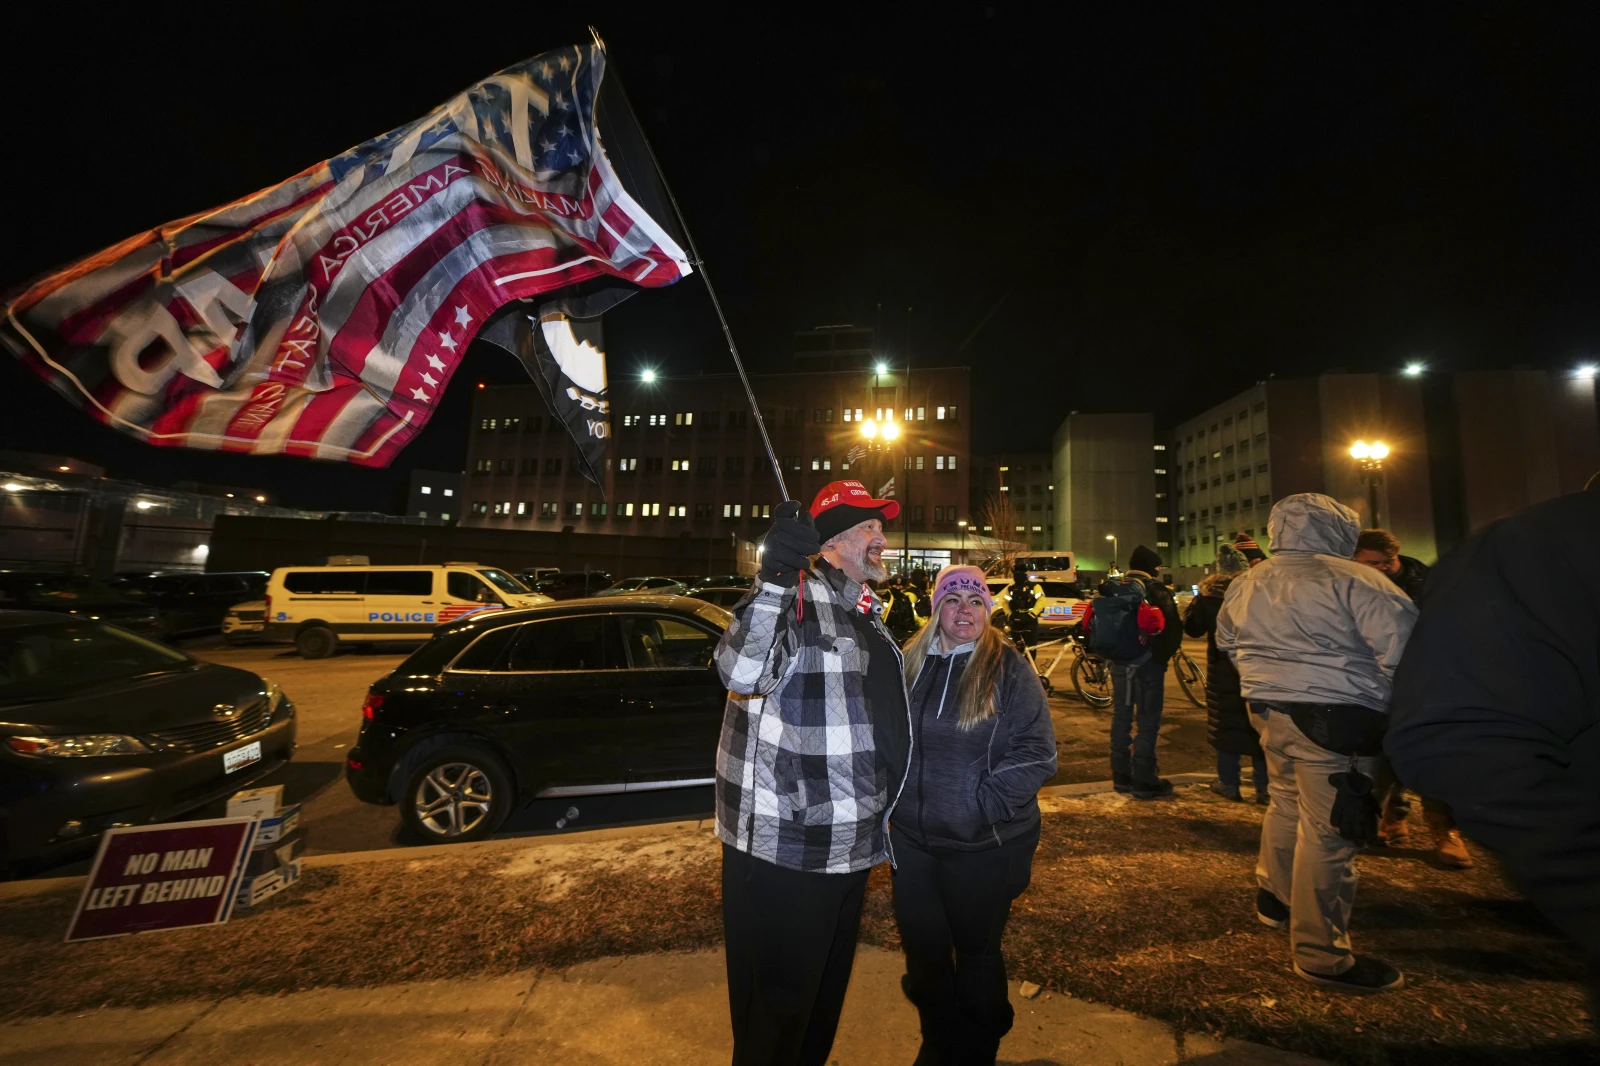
(798, 779)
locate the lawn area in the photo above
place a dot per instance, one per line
(1145, 906)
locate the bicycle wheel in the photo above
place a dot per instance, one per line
(1091, 679)
(1191, 678)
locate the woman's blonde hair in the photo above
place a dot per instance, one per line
(975, 694)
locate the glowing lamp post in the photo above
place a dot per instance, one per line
(1369, 458)
(1112, 537)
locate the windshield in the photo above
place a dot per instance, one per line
(1046, 563)
(503, 581)
(43, 662)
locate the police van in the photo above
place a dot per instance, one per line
(351, 601)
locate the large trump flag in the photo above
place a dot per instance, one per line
(323, 317)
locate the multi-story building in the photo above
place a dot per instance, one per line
(1463, 450)
(1109, 477)
(435, 494)
(686, 456)
(1015, 490)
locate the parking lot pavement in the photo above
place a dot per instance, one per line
(1083, 733)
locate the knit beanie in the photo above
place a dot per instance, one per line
(962, 579)
(1246, 545)
(1145, 560)
(1230, 560)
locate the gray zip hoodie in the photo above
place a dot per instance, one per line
(972, 789)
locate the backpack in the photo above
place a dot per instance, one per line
(1114, 625)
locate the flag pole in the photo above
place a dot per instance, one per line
(700, 264)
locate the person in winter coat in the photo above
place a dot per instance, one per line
(815, 740)
(967, 821)
(1497, 705)
(1227, 719)
(1138, 681)
(1380, 549)
(1316, 638)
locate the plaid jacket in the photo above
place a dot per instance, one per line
(798, 780)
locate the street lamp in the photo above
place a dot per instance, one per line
(648, 376)
(1112, 537)
(1414, 370)
(963, 527)
(1369, 458)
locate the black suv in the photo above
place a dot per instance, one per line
(568, 699)
(195, 603)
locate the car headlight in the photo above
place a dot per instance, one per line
(89, 744)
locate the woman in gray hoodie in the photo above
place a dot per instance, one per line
(966, 823)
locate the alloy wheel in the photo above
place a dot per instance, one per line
(453, 799)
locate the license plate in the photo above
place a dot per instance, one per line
(239, 758)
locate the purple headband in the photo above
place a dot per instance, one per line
(962, 579)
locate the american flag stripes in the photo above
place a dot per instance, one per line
(323, 317)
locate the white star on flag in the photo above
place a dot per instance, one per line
(561, 102)
(447, 341)
(564, 64)
(547, 146)
(462, 318)
(431, 380)
(419, 394)
(574, 156)
(435, 362)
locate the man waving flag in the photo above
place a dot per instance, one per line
(323, 317)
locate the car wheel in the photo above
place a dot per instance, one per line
(318, 642)
(458, 793)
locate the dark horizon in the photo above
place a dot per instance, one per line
(1101, 213)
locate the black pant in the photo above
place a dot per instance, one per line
(952, 908)
(791, 941)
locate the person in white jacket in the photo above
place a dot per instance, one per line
(1316, 638)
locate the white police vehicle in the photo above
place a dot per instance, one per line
(351, 601)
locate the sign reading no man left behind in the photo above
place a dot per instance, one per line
(167, 876)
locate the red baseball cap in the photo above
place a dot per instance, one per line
(842, 504)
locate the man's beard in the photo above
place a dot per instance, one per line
(871, 571)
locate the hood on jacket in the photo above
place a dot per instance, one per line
(1312, 522)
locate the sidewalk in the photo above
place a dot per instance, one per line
(651, 1010)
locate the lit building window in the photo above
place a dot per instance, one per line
(683, 418)
(650, 510)
(427, 490)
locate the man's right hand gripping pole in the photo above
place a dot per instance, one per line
(786, 553)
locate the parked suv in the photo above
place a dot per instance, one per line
(587, 696)
(196, 603)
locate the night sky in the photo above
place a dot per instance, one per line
(1159, 209)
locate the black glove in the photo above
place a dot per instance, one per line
(1355, 807)
(789, 545)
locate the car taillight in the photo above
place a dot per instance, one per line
(269, 607)
(371, 706)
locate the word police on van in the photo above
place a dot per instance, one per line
(351, 601)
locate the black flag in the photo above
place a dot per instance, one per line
(560, 342)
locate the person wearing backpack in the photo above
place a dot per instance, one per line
(899, 612)
(1125, 624)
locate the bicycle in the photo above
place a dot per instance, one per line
(1191, 678)
(1091, 675)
